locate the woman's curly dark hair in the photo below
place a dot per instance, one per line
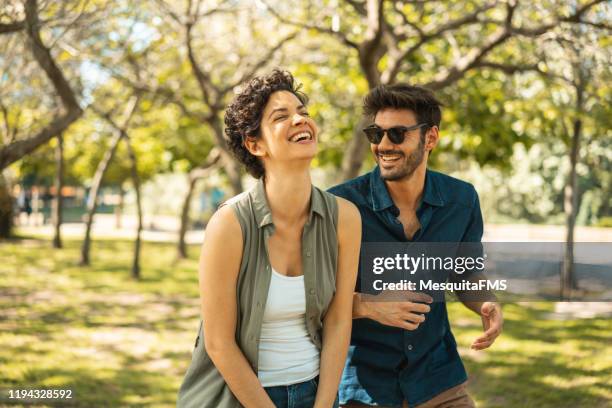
(243, 115)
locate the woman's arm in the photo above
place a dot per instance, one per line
(219, 267)
(338, 320)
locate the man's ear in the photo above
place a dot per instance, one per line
(431, 138)
(254, 146)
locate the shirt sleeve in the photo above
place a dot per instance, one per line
(474, 229)
(470, 245)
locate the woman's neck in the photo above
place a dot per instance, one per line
(288, 194)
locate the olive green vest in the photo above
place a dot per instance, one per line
(203, 385)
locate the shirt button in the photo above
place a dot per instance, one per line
(410, 347)
(308, 254)
(311, 291)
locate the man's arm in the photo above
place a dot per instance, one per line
(484, 303)
(407, 314)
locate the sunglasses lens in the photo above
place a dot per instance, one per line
(396, 134)
(374, 134)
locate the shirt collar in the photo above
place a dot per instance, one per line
(381, 200)
(263, 214)
(431, 193)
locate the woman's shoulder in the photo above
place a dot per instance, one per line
(236, 200)
(224, 223)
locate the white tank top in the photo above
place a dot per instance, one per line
(287, 355)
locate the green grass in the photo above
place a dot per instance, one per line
(118, 342)
(538, 361)
(114, 341)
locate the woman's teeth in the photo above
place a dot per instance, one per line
(301, 136)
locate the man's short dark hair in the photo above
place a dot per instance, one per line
(403, 96)
(243, 115)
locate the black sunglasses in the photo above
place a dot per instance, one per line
(396, 134)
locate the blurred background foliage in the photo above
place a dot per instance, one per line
(506, 72)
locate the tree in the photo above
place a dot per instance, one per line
(103, 165)
(434, 43)
(31, 24)
(577, 60)
(59, 184)
(123, 131)
(214, 79)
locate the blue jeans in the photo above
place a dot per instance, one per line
(300, 395)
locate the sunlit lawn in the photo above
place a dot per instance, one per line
(118, 342)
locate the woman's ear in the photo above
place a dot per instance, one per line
(254, 146)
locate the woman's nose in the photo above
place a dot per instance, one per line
(298, 119)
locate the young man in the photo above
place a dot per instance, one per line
(403, 354)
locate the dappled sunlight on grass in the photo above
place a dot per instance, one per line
(113, 340)
(538, 362)
(120, 342)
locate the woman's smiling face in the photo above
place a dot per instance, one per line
(287, 133)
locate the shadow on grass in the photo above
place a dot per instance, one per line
(544, 363)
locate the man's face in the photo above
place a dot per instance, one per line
(398, 161)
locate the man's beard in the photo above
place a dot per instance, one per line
(411, 163)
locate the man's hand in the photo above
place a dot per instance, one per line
(492, 323)
(404, 309)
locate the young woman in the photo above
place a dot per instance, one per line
(278, 267)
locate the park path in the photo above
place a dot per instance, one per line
(161, 228)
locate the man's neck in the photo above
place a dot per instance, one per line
(407, 193)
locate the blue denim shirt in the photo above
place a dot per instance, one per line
(386, 365)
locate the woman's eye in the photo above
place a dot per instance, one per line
(305, 113)
(279, 118)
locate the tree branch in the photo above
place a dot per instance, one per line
(169, 95)
(16, 150)
(337, 34)
(130, 109)
(509, 68)
(395, 64)
(44, 59)
(468, 61)
(12, 27)
(203, 170)
(574, 18)
(256, 66)
(473, 57)
(202, 77)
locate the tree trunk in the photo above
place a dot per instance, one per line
(136, 183)
(92, 200)
(214, 156)
(355, 153)
(6, 209)
(119, 208)
(182, 246)
(59, 184)
(358, 145)
(230, 165)
(568, 280)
